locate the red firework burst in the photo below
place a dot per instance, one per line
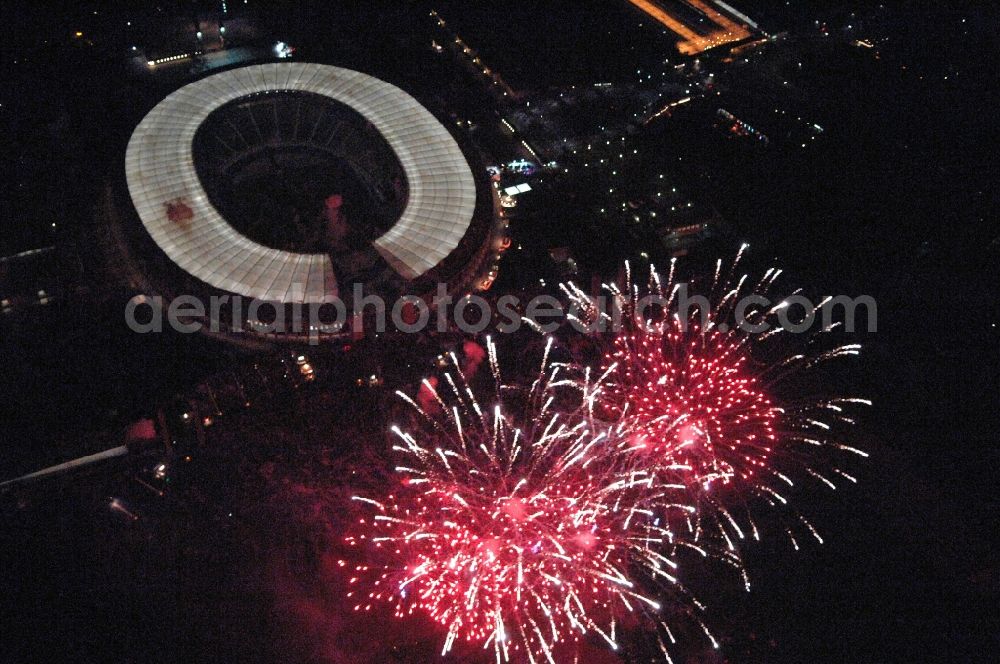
(514, 531)
(695, 401)
(713, 397)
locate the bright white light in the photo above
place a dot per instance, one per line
(282, 50)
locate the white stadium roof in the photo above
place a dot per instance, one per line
(161, 175)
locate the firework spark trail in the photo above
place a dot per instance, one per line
(709, 396)
(515, 524)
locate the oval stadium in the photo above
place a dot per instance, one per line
(269, 187)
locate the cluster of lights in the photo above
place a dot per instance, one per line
(172, 58)
(475, 59)
(691, 42)
(529, 149)
(741, 127)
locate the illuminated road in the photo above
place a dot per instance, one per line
(692, 43)
(734, 31)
